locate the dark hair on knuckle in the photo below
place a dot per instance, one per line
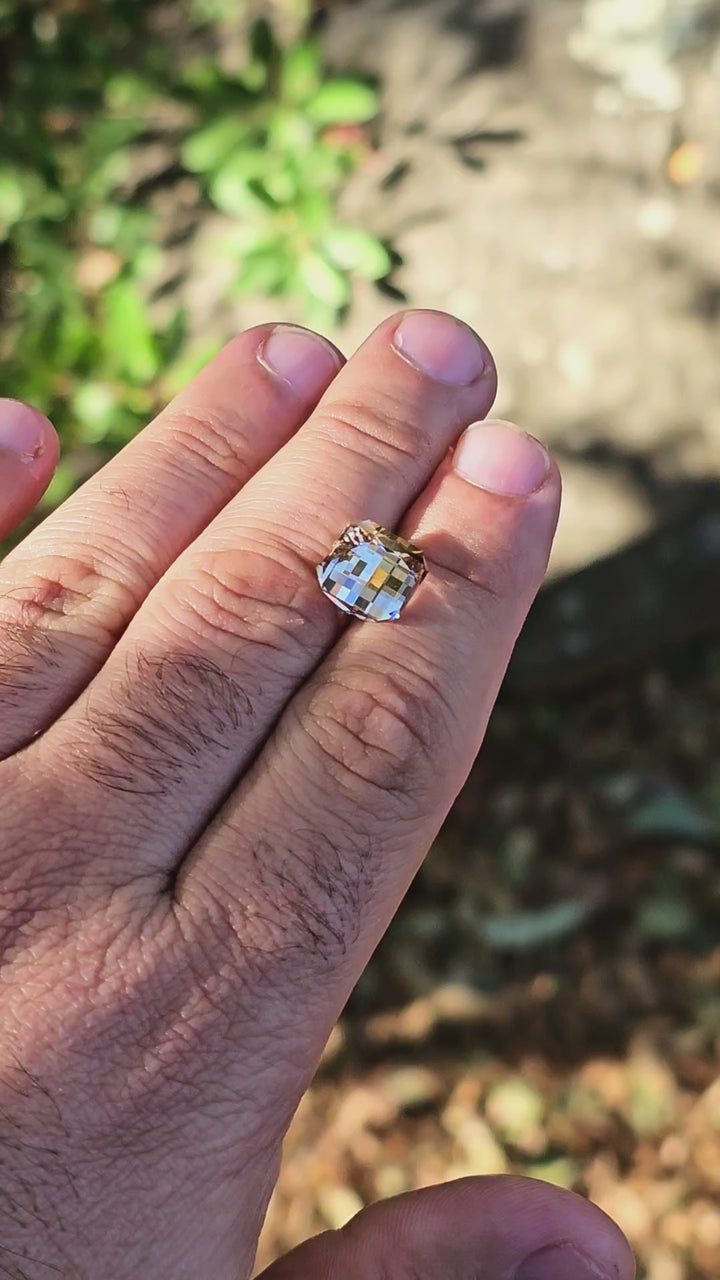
(318, 891)
(172, 709)
(28, 660)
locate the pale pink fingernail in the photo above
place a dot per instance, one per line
(497, 456)
(301, 358)
(22, 430)
(440, 346)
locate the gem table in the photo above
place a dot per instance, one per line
(371, 573)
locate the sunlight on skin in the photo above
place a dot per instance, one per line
(238, 788)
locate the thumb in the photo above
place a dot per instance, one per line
(28, 457)
(499, 1228)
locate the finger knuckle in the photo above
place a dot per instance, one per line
(71, 593)
(29, 659)
(211, 444)
(377, 732)
(168, 715)
(258, 598)
(382, 431)
(303, 894)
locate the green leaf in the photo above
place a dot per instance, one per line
(213, 10)
(60, 487)
(73, 336)
(262, 273)
(527, 929)
(18, 185)
(281, 184)
(324, 281)
(353, 249)
(106, 134)
(93, 404)
(291, 132)
(112, 169)
(208, 148)
(343, 101)
(238, 239)
(301, 72)
(314, 212)
(127, 91)
(183, 369)
(120, 227)
(127, 336)
(12, 199)
(253, 77)
(105, 223)
(172, 340)
(202, 76)
(331, 163)
(263, 45)
(235, 191)
(147, 262)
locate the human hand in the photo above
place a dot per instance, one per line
(215, 794)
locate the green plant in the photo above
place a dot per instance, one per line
(87, 87)
(75, 256)
(272, 158)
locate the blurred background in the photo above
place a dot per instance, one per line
(548, 998)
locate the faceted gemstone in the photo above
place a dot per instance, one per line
(371, 573)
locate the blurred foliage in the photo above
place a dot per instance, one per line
(87, 87)
(272, 149)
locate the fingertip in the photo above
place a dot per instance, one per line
(29, 449)
(500, 541)
(499, 457)
(304, 360)
(561, 1233)
(518, 1225)
(507, 1227)
(28, 438)
(442, 347)
(444, 350)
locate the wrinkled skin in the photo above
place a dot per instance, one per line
(215, 792)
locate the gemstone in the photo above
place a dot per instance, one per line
(371, 573)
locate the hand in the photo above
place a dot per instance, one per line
(215, 793)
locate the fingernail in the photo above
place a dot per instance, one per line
(497, 456)
(560, 1262)
(22, 430)
(301, 358)
(440, 346)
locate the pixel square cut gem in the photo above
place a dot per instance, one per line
(371, 573)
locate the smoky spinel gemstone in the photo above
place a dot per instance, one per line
(371, 573)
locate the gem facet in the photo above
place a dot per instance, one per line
(371, 573)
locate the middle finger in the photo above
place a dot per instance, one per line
(195, 685)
